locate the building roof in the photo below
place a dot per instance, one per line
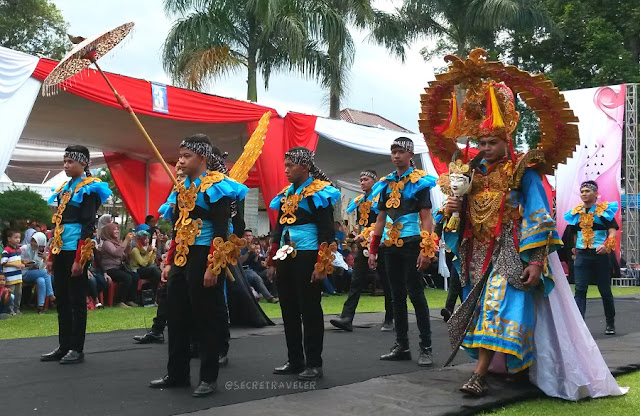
(370, 119)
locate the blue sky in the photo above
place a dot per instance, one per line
(378, 82)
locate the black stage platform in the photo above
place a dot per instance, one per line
(113, 380)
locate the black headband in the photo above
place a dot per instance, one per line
(306, 157)
(589, 185)
(78, 157)
(403, 143)
(369, 174)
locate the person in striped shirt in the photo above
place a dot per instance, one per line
(12, 266)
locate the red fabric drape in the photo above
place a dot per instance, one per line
(292, 131)
(130, 178)
(183, 104)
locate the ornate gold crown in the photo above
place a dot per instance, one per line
(489, 108)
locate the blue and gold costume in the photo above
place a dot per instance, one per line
(510, 204)
(401, 200)
(591, 226)
(74, 222)
(201, 221)
(305, 222)
(366, 215)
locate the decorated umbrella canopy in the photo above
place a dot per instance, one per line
(85, 53)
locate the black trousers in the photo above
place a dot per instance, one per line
(404, 278)
(71, 300)
(455, 289)
(359, 281)
(160, 321)
(587, 266)
(194, 310)
(162, 314)
(300, 305)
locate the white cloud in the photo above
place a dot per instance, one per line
(378, 82)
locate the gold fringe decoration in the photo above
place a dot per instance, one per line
(252, 150)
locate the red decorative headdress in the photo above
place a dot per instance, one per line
(489, 110)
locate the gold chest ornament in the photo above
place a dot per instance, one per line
(56, 244)
(289, 204)
(187, 229)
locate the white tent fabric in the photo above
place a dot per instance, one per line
(377, 141)
(18, 92)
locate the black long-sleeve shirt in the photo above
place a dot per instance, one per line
(321, 217)
(85, 214)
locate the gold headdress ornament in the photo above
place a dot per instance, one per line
(489, 108)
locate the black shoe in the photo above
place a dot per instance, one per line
(223, 360)
(446, 314)
(149, 338)
(55, 355)
(398, 353)
(426, 358)
(611, 330)
(72, 357)
(168, 382)
(342, 323)
(288, 368)
(310, 374)
(205, 389)
(387, 326)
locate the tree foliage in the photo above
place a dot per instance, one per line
(18, 205)
(33, 26)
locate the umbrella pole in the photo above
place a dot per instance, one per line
(123, 102)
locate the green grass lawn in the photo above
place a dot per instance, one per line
(30, 324)
(626, 405)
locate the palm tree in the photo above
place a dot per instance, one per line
(213, 38)
(458, 25)
(329, 53)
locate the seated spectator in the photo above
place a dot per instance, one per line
(341, 276)
(143, 260)
(256, 263)
(6, 297)
(97, 283)
(102, 221)
(113, 253)
(149, 226)
(340, 235)
(253, 278)
(33, 256)
(12, 266)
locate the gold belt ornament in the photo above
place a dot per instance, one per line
(393, 234)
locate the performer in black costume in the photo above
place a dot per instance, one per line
(300, 245)
(194, 290)
(367, 212)
(71, 249)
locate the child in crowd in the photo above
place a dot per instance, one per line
(12, 266)
(6, 297)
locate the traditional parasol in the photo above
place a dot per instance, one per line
(85, 53)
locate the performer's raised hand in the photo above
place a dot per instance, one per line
(454, 204)
(531, 276)
(210, 278)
